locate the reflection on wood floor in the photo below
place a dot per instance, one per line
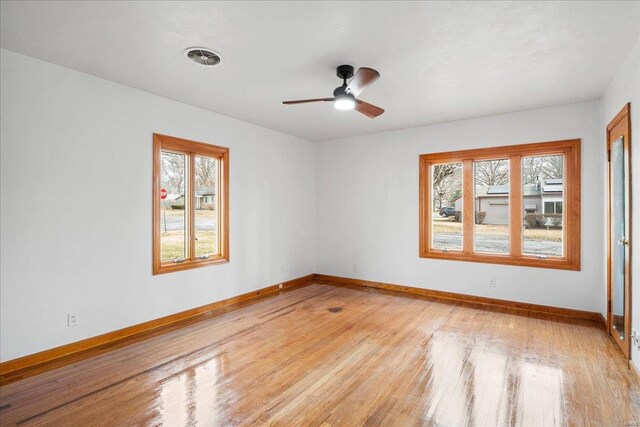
(335, 356)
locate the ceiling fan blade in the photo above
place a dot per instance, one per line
(367, 109)
(303, 101)
(363, 79)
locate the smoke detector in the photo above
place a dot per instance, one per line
(203, 56)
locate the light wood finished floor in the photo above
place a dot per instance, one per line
(342, 356)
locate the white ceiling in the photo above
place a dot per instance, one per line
(439, 61)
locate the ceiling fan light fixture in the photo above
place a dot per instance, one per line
(345, 102)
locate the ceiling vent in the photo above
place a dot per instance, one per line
(203, 56)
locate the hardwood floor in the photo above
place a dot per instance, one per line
(344, 355)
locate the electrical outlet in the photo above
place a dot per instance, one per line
(72, 320)
(280, 286)
(492, 283)
(355, 267)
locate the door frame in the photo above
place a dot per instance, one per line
(614, 131)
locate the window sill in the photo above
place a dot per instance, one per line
(170, 267)
(522, 261)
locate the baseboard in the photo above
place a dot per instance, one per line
(32, 360)
(558, 311)
(603, 322)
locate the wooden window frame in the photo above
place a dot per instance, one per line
(191, 149)
(570, 149)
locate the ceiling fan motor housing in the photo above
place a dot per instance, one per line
(344, 72)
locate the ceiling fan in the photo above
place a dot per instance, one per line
(344, 97)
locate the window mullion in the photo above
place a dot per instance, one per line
(219, 206)
(515, 206)
(468, 207)
(426, 207)
(571, 189)
(192, 207)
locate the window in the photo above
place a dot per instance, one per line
(553, 207)
(446, 180)
(542, 184)
(190, 204)
(516, 205)
(491, 199)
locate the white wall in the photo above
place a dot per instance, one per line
(367, 208)
(76, 162)
(624, 88)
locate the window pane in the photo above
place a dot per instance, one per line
(206, 206)
(542, 180)
(548, 207)
(172, 222)
(446, 224)
(491, 182)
